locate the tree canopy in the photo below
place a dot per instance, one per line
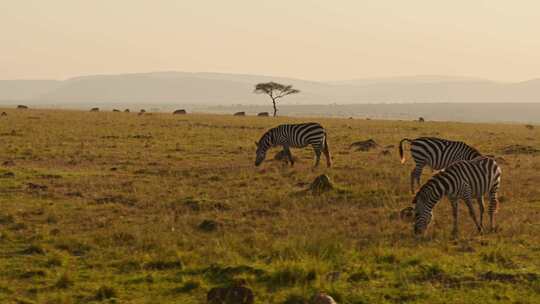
(275, 91)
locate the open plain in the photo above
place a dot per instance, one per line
(160, 208)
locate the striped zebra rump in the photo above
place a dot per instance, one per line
(302, 135)
(436, 153)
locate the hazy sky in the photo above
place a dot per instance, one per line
(310, 39)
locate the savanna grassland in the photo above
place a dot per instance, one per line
(121, 208)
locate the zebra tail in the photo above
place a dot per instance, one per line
(326, 146)
(401, 155)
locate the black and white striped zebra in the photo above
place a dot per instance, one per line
(463, 180)
(294, 136)
(436, 153)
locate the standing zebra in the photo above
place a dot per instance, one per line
(465, 180)
(294, 136)
(436, 153)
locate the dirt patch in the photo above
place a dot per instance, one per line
(141, 136)
(36, 187)
(260, 213)
(33, 249)
(49, 176)
(8, 174)
(194, 204)
(74, 194)
(8, 163)
(233, 294)
(163, 265)
(434, 274)
(509, 277)
(115, 199)
(208, 226)
(12, 133)
(364, 145)
(321, 184)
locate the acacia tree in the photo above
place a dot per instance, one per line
(275, 91)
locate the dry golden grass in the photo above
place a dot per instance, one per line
(98, 207)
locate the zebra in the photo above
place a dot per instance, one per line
(465, 180)
(436, 153)
(294, 136)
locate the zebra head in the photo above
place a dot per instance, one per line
(262, 146)
(422, 218)
(423, 202)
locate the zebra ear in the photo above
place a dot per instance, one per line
(256, 144)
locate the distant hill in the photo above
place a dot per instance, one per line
(225, 89)
(412, 79)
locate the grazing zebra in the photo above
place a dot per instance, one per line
(294, 136)
(465, 180)
(436, 153)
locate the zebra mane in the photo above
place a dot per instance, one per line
(267, 139)
(478, 154)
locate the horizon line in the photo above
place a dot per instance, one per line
(337, 81)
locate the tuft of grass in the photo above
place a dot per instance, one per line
(54, 261)
(358, 276)
(160, 264)
(219, 274)
(6, 219)
(128, 266)
(499, 257)
(18, 226)
(33, 249)
(289, 276)
(64, 281)
(23, 301)
(105, 292)
(187, 287)
(296, 299)
(387, 259)
(73, 246)
(32, 273)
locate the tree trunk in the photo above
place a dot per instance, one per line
(275, 108)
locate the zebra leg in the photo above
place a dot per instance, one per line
(492, 209)
(469, 203)
(327, 154)
(455, 210)
(415, 176)
(481, 209)
(289, 154)
(317, 150)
